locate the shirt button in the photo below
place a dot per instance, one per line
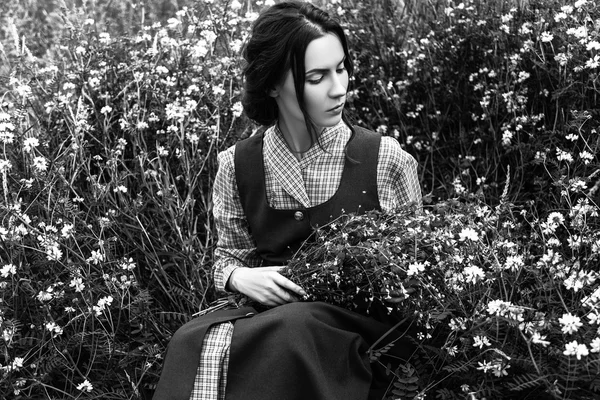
(298, 216)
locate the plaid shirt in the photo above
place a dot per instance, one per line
(293, 183)
(290, 183)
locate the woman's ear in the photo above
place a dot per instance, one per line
(273, 92)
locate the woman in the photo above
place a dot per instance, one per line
(270, 192)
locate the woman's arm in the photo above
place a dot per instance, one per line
(237, 264)
(235, 246)
(397, 179)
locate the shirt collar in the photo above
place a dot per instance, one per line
(287, 169)
(326, 139)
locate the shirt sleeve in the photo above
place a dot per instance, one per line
(397, 178)
(235, 246)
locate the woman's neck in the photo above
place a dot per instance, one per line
(297, 138)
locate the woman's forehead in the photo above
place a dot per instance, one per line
(325, 52)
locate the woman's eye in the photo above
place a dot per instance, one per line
(340, 70)
(315, 81)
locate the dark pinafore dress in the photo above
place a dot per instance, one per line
(298, 351)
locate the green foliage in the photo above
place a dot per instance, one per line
(111, 117)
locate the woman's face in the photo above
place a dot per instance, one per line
(326, 82)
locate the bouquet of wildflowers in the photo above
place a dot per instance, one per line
(496, 314)
(357, 261)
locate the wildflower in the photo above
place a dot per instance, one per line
(593, 45)
(580, 32)
(46, 295)
(235, 5)
(567, 9)
(7, 270)
(192, 137)
(237, 109)
(78, 284)
(594, 317)
(105, 110)
(480, 341)
(555, 218)
(120, 188)
(564, 156)
(415, 268)
(54, 328)
(40, 164)
(473, 274)
(67, 230)
(468, 233)
(85, 386)
(560, 16)
(6, 132)
(592, 300)
(30, 143)
(17, 363)
(497, 307)
(539, 339)
(218, 90)
(127, 265)
(458, 324)
(452, 350)
(200, 49)
(586, 156)
(500, 369)
(102, 304)
(23, 90)
(570, 323)
(104, 38)
(576, 349)
(525, 28)
(546, 37)
(513, 263)
(5, 165)
(485, 366)
(173, 23)
(96, 258)
(595, 345)
(593, 63)
(578, 280)
(162, 152)
(523, 75)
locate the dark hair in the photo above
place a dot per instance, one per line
(278, 42)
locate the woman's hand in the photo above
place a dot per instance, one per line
(265, 285)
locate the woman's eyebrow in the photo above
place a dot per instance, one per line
(323, 70)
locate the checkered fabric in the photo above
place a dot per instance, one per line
(290, 183)
(212, 370)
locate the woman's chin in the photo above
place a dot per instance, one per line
(329, 122)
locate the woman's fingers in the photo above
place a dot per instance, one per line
(289, 285)
(266, 285)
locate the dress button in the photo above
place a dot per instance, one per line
(298, 216)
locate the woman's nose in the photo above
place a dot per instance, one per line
(339, 85)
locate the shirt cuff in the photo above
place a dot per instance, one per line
(223, 270)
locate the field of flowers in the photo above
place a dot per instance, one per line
(111, 117)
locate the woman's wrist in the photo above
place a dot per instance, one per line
(231, 282)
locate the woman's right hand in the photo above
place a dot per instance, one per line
(265, 285)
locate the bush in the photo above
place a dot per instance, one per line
(110, 125)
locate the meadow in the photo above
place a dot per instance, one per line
(111, 118)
